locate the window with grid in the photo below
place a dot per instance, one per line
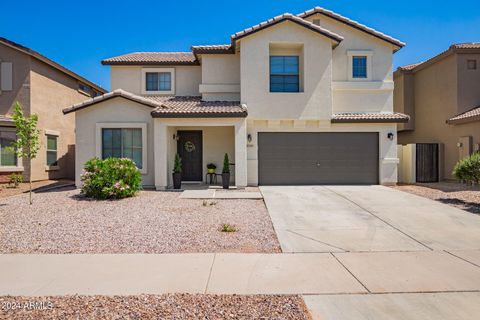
(7, 158)
(284, 74)
(359, 67)
(158, 81)
(122, 143)
(52, 150)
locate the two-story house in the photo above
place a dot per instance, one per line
(44, 87)
(442, 96)
(297, 99)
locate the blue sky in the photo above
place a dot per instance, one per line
(78, 34)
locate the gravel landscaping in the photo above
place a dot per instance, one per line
(452, 193)
(62, 221)
(7, 190)
(167, 306)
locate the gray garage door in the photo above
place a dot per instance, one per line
(317, 158)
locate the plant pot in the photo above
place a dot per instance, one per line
(211, 170)
(177, 180)
(225, 180)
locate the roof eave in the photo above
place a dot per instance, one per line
(333, 120)
(149, 63)
(242, 114)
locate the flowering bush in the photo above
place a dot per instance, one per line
(112, 178)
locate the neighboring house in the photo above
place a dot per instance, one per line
(44, 87)
(298, 99)
(442, 97)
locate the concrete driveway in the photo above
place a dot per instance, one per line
(416, 258)
(366, 218)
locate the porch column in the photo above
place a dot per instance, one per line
(241, 153)
(160, 154)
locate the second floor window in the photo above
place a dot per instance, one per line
(284, 74)
(359, 67)
(158, 81)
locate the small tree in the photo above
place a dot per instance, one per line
(26, 146)
(226, 164)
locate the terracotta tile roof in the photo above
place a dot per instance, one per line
(171, 106)
(111, 95)
(290, 17)
(192, 107)
(466, 45)
(351, 23)
(153, 58)
(212, 49)
(369, 117)
(467, 116)
(409, 67)
(49, 62)
(457, 47)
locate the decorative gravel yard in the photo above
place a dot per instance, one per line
(63, 221)
(167, 306)
(458, 195)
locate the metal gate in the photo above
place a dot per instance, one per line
(427, 162)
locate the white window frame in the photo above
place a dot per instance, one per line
(172, 79)
(123, 125)
(19, 166)
(364, 53)
(54, 133)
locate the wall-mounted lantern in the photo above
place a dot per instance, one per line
(390, 136)
(249, 137)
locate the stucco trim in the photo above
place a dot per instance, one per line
(122, 125)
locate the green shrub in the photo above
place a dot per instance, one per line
(468, 169)
(112, 178)
(177, 165)
(15, 179)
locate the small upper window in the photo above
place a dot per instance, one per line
(52, 150)
(284, 74)
(158, 81)
(359, 67)
(472, 64)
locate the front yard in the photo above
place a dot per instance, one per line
(62, 221)
(452, 193)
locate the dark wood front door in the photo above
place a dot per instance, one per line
(189, 147)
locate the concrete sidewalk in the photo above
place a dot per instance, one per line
(229, 273)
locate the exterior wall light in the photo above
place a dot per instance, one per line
(249, 137)
(390, 136)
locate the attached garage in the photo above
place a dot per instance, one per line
(290, 158)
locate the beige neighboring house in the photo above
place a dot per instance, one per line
(44, 87)
(442, 97)
(297, 99)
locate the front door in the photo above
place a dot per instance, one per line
(189, 147)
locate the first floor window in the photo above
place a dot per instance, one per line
(7, 158)
(359, 67)
(284, 74)
(122, 143)
(52, 150)
(158, 81)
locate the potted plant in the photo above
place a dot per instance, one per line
(177, 172)
(211, 168)
(226, 172)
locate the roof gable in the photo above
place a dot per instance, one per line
(351, 23)
(282, 18)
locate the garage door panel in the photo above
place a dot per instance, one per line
(318, 158)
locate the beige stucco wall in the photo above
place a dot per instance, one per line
(129, 78)
(51, 92)
(387, 148)
(404, 99)
(348, 98)
(315, 102)
(437, 90)
(468, 82)
(220, 77)
(115, 110)
(21, 80)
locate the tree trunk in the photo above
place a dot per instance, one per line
(30, 180)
